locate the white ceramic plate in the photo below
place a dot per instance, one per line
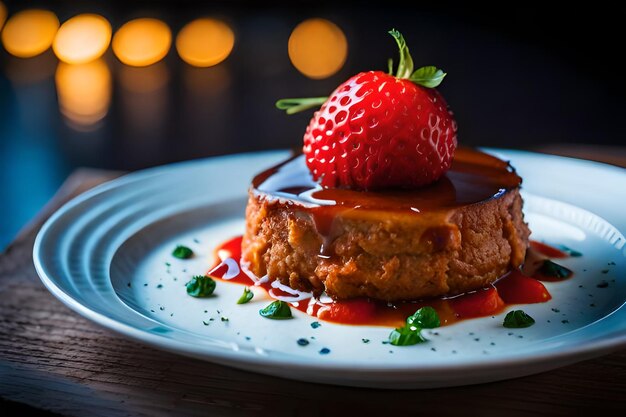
(105, 255)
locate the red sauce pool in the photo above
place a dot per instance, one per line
(513, 288)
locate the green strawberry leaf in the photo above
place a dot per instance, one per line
(429, 77)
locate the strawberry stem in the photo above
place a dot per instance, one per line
(429, 76)
(405, 66)
(296, 105)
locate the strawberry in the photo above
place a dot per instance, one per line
(378, 130)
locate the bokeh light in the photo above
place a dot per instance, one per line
(84, 92)
(29, 32)
(82, 38)
(205, 42)
(3, 14)
(142, 42)
(318, 48)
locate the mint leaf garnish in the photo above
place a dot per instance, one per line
(278, 310)
(246, 296)
(571, 252)
(411, 333)
(200, 286)
(517, 319)
(552, 269)
(405, 336)
(429, 77)
(182, 252)
(425, 317)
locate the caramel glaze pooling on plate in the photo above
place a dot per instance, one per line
(473, 178)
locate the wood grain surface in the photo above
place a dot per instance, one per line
(54, 360)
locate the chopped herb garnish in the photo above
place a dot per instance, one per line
(278, 310)
(604, 271)
(571, 252)
(365, 340)
(425, 317)
(200, 286)
(410, 334)
(315, 324)
(517, 319)
(182, 252)
(168, 264)
(223, 318)
(206, 323)
(160, 286)
(303, 342)
(552, 269)
(246, 296)
(405, 336)
(565, 321)
(602, 284)
(324, 351)
(129, 285)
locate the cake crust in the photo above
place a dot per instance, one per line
(389, 256)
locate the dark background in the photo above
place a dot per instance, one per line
(520, 75)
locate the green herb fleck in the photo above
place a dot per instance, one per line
(246, 296)
(517, 319)
(602, 284)
(182, 252)
(425, 317)
(324, 351)
(604, 271)
(315, 324)
(552, 269)
(571, 252)
(410, 333)
(206, 323)
(223, 318)
(365, 340)
(160, 286)
(278, 310)
(405, 336)
(303, 342)
(168, 264)
(200, 286)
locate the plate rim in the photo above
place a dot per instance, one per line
(581, 351)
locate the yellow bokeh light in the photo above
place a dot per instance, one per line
(84, 92)
(3, 14)
(318, 48)
(142, 42)
(82, 38)
(29, 32)
(205, 42)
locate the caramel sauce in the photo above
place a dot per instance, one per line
(473, 178)
(513, 288)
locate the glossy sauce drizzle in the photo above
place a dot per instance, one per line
(513, 288)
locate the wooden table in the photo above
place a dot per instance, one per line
(56, 361)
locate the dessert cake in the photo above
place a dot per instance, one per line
(382, 204)
(454, 236)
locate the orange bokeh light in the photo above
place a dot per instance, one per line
(82, 38)
(29, 32)
(84, 92)
(318, 48)
(205, 42)
(142, 42)
(3, 14)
